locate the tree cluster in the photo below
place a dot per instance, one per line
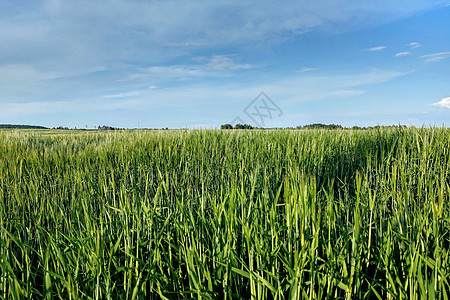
(104, 127)
(320, 126)
(237, 126)
(379, 127)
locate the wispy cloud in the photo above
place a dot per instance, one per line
(124, 95)
(436, 56)
(225, 62)
(414, 45)
(306, 69)
(445, 102)
(215, 66)
(402, 54)
(370, 78)
(101, 33)
(23, 81)
(344, 93)
(166, 73)
(66, 107)
(288, 90)
(378, 48)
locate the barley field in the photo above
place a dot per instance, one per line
(225, 214)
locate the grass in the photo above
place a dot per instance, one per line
(225, 214)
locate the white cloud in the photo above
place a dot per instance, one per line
(167, 73)
(215, 66)
(224, 62)
(436, 56)
(370, 78)
(414, 45)
(379, 48)
(445, 102)
(402, 54)
(124, 95)
(306, 69)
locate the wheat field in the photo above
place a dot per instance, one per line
(225, 214)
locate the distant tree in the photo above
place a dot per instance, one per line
(243, 126)
(104, 127)
(321, 126)
(226, 126)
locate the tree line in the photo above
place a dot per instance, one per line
(312, 127)
(12, 126)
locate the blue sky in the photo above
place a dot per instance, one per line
(201, 63)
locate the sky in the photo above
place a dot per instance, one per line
(203, 63)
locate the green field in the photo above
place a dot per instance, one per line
(216, 214)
